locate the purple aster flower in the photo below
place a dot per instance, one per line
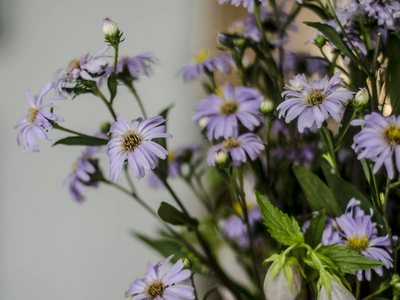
(234, 227)
(37, 122)
(88, 67)
(238, 147)
(355, 230)
(249, 4)
(379, 141)
(229, 106)
(158, 284)
(205, 62)
(140, 64)
(313, 102)
(135, 145)
(384, 13)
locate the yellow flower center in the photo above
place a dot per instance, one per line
(130, 140)
(239, 209)
(32, 115)
(315, 97)
(202, 55)
(155, 289)
(228, 108)
(231, 143)
(237, 28)
(392, 135)
(73, 64)
(357, 243)
(270, 36)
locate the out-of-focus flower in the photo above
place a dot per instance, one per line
(379, 141)
(267, 107)
(237, 147)
(278, 287)
(313, 102)
(204, 62)
(249, 4)
(229, 106)
(338, 292)
(356, 231)
(36, 123)
(135, 145)
(137, 65)
(158, 284)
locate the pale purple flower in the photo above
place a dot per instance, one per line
(140, 64)
(384, 13)
(134, 143)
(237, 147)
(163, 285)
(356, 231)
(229, 107)
(313, 102)
(379, 141)
(249, 4)
(37, 122)
(205, 62)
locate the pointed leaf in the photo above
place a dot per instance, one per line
(81, 141)
(313, 235)
(171, 215)
(393, 44)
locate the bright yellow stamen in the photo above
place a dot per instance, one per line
(392, 135)
(32, 115)
(239, 209)
(130, 140)
(358, 243)
(155, 289)
(231, 143)
(202, 55)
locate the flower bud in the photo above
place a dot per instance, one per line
(337, 292)
(278, 287)
(110, 29)
(266, 108)
(187, 263)
(362, 97)
(320, 41)
(221, 158)
(203, 122)
(105, 127)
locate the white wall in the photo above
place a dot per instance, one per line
(50, 246)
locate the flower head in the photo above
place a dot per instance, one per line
(158, 284)
(313, 102)
(135, 145)
(227, 108)
(379, 141)
(37, 122)
(355, 230)
(204, 62)
(249, 4)
(140, 64)
(237, 147)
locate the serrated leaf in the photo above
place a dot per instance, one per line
(318, 195)
(331, 34)
(346, 259)
(283, 228)
(313, 235)
(81, 141)
(171, 215)
(112, 85)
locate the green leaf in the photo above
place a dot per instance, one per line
(283, 228)
(331, 34)
(112, 85)
(207, 88)
(316, 9)
(344, 191)
(171, 215)
(313, 235)
(81, 141)
(393, 44)
(318, 195)
(346, 259)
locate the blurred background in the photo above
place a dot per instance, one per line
(52, 247)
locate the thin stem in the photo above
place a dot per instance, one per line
(387, 227)
(326, 138)
(267, 137)
(337, 146)
(133, 90)
(116, 58)
(194, 287)
(57, 126)
(99, 94)
(358, 289)
(197, 193)
(375, 100)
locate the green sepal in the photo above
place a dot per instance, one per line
(81, 141)
(171, 215)
(283, 228)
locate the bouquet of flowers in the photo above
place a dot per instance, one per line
(299, 169)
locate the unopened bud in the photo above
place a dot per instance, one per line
(362, 97)
(337, 292)
(187, 263)
(110, 29)
(105, 127)
(278, 287)
(266, 107)
(203, 122)
(320, 41)
(221, 158)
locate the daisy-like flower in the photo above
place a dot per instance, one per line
(229, 106)
(237, 147)
(313, 102)
(206, 61)
(384, 13)
(158, 284)
(36, 123)
(140, 64)
(379, 141)
(135, 145)
(355, 230)
(249, 4)
(88, 67)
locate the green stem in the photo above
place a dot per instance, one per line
(387, 227)
(358, 289)
(326, 138)
(116, 58)
(338, 143)
(133, 90)
(267, 138)
(99, 94)
(375, 100)
(193, 285)
(57, 126)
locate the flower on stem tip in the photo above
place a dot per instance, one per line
(109, 27)
(37, 122)
(158, 284)
(313, 102)
(135, 145)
